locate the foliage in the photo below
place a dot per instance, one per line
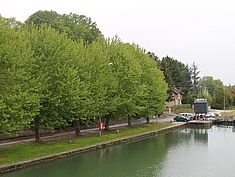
(230, 97)
(209, 84)
(77, 27)
(176, 74)
(52, 69)
(182, 106)
(155, 57)
(189, 98)
(11, 22)
(155, 87)
(213, 90)
(141, 86)
(220, 96)
(195, 79)
(51, 80)
(18, 104)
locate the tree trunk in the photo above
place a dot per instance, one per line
(77, 127)
(37, 129)
(107, 120)
(129, 121)
(147, 120)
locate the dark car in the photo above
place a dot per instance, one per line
(181, 118)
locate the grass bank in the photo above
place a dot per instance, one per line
(22, 152)
(228, 114)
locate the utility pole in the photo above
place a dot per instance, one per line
(224, 102)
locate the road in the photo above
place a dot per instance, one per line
(70, 133)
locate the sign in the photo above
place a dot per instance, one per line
(101, 126)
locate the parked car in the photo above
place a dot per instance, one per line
(187, 115)
(180, 118)
(217, 114)
(210, 115)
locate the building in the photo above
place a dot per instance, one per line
(176, 96)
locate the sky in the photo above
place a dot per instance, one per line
(199, 31)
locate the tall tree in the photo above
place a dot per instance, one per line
(195, 79)
(155, 88)
(58, 82)
(141, 87)
(77, 27)
(155, 58)
(176, 74)
(18, 104)
(128, 73)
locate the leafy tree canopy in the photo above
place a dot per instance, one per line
(77, 27)
(176, 73)
(18, 103)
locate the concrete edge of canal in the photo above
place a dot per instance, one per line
(37, 161)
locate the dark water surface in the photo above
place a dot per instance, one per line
(180, 153)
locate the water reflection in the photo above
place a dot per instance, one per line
(184, 152)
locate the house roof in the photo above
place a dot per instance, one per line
(177, 91)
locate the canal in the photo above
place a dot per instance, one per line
(186, 152)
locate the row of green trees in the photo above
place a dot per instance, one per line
(50, 79)
(58, 71)
(218, 95)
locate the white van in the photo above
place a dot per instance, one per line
(187, 115)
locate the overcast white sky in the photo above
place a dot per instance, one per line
(200, 31)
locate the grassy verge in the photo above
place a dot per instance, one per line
(21, 152)
(228, 114)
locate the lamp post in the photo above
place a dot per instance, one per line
(199, 92)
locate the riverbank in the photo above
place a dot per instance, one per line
(23, 155)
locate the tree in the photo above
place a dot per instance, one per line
(230, 96)
(214, 88)
(18, 104)
(128, 73)
(81, 27)
(106, 80)
(189, 97)
(210, 84)
(77, 27)
(195, 79)
(11, 22)
(141, 90)
(95, 71)
(53, 71)
(155, 58)
(176, 74)
(155, 88)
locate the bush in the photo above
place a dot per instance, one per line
(182, 108)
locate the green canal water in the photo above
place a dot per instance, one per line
(186, 152)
